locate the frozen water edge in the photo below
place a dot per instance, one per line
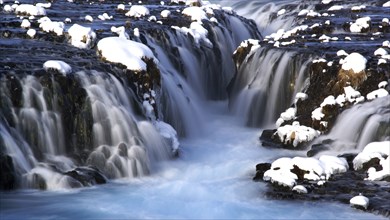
(212, 179)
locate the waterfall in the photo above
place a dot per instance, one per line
(188, 79)
(123, 143)
(358, 126)
(261, 94)
(265, 13)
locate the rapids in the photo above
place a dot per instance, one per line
(210, 180)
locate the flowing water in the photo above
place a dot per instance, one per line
(211, 178)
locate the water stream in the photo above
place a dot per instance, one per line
(210, 180)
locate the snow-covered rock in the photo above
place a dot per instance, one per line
(377, 94)
(30, 10)
(352, 96)
(355, 62)
(31, 33)
(126, 52)
(25, 23)
(380, 52)
(360, 24)
(138, 11)
(358, 8)
(371, 150)
(58, 65)
(296, 134)
(360, 201)
(89, 18)
(336, 8)
(165, 13)
(281, 171)
(81, 37)
(196, 13)
(120, 31)
(299, 189)
(52, 26)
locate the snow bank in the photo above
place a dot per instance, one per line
(81, 37)
(58, 65)
(315, 169)
(138, 11)
(360, 201)
(296, 134)
(196, 13)
(355, 62)
(126, 52)
(30, 10)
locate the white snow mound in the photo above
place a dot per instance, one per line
(81, 37)
(30, 10)
(355, 62)
(126, 52)
(58, 65)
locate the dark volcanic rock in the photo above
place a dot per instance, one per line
(260, 170)
(87, 176)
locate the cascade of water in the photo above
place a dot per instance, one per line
(41, 125)
(188, 79)
(122, 145)
(122, 149)
(265, 13)
(261, 94)
(358, 126)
